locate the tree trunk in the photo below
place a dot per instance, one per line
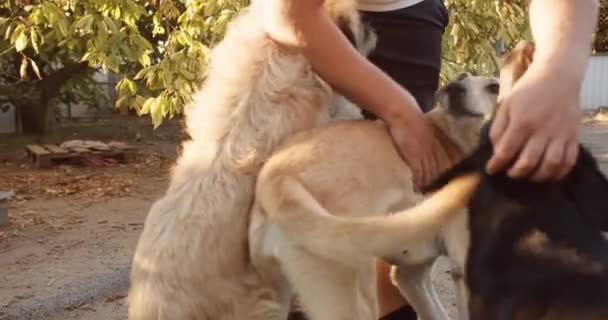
(36, 116)
(36, 112)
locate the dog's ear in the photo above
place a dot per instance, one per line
(463, 75)
(587, 187)
(515, 64)
(524, 53)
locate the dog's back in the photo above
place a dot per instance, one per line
(536, 251)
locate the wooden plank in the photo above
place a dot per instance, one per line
(99, 148)
(56, 149)
(80, 150)
(43, 162)
(121, 146)
(36, 149)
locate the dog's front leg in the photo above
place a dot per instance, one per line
(456, 243)
(412, 275)
(414, 282)
(462, 300)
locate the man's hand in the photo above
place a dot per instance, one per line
(536, 126)
(419, 148)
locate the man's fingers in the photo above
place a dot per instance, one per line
(529, 158)
(417, 173)
(552, 161)
(506, 149)
(570, 157)
(433, 169)
(499, 125)
(426, 165)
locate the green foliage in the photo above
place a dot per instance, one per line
(601, 36)
(161, 47)
(478, 32)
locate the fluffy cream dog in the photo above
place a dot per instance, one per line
(191, 260)
(313, 226)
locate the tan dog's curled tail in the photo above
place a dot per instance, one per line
(310, 225)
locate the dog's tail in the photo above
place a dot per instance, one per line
(306, 222)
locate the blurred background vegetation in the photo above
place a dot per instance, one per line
(158, 49)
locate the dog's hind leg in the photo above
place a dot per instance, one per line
(328, 290)
(273, 297)
(269, 303)
(414, 282)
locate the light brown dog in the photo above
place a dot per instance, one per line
(191, 260)
(319, 219)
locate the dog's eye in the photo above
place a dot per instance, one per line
(493, 88)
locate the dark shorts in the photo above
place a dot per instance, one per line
(409, 47)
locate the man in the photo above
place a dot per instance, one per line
(535, 133)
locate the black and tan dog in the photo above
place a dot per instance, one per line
(536, 250)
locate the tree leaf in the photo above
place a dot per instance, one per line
(142, 73)
(110, 24)
(85, 23)
(23, 69)
(147, 106)
(156, 111)
(21, 42)
(144, 59)
(9, 31)
(210, 8)
(35, 40)
(35, 68)
(121, 102)
(17, 32)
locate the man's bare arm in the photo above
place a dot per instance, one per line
(334, 58)
(302, 26)
(562, 30)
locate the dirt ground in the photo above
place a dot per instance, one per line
(72, 221)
